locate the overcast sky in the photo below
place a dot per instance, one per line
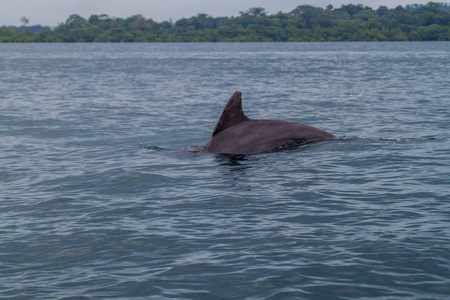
(52, 12)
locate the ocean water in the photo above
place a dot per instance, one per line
(100, 197)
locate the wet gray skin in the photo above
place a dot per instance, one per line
(235, 133)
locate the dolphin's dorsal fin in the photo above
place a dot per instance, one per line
(231, 115)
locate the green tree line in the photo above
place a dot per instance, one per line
(351, 22)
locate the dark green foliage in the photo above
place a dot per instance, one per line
(430, 22)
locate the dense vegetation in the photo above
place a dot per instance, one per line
(351, 22)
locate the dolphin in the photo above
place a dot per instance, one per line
(235, 133)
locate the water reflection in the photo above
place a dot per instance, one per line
(235, 166)
(231, 159)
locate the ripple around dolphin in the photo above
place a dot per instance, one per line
(392, 140)
(305, 146)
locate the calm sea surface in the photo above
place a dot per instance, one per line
(99, 197)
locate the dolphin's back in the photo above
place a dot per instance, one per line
(235, 133)
(263, 136)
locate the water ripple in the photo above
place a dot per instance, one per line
(102, 199)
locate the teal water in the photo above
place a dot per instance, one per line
(99, 197)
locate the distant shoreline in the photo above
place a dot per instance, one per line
(352, 23)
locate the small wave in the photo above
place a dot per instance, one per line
(196, 149)
(390, 140)
(150, 147)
